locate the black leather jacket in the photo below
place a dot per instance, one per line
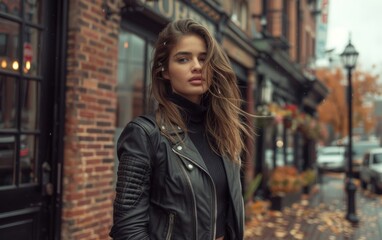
(164, 190)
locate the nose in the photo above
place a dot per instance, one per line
(197, 66)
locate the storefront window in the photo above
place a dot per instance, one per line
(28, 156)
(130, 77)
(8, 109)
(10, 7)
(20, 84)
(29, 98)
(240, 14)
(134, 74)
(133, 77)
(290, 147)
(32, 11)
(9, 46)
(31, 48)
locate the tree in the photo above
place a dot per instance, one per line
(334, 109)
(365, 86)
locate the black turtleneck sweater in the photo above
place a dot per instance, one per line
(194, 116)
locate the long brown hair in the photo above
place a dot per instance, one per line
(223, 121)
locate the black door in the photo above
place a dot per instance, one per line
(28, 97)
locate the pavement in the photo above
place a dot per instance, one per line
(321, 215)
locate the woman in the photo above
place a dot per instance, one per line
(179, 170)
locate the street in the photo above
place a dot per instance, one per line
(321, 216)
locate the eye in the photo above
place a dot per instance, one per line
(182, 60)
(202, 59)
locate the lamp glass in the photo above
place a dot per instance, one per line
(349, 56)
(266, 92)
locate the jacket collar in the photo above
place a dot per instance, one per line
(187, 149)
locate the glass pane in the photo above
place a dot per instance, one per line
(7, 160)
(28, 156)
(8, 94)
(130, 77)
(9, 45)
(150, 105)
(31, 50)
(33, 11)
(10, 7)
(29, 98)
(290, 148)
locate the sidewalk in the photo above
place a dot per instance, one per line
(321, 216)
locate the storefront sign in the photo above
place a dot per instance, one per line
(176, 9)
(322, 26)
(28, 53)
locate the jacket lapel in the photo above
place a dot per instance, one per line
(185, 148)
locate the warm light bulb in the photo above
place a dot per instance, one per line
(126, 44)
(4, 64)
(28, 65)
(15, 65)
(279, 143)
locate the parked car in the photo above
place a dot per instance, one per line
(359, 150)
(331, 158)
(371, 170)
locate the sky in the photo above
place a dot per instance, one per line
(363, 20)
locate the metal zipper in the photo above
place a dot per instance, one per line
(170, 226)
(194, 201)
(213, 188)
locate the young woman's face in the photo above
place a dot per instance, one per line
(185, 68)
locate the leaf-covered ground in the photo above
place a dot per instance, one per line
(319, 216)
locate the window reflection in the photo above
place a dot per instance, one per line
(29, 97)
(130, 89)
(7, 102)
(149, 104)
(9, 45)
(10, 7)
(27, 171)
(290, 147)
(33, 11)
(7, 160)
(31, 49)
(27, 159)
(134, 76)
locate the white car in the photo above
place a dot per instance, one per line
(371, 170)
(359, 150)
(331, 158)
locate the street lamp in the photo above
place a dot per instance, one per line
(349, 59)
(265, 97)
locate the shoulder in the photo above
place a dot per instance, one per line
(140, 126)
(146, 122)
(140, 133)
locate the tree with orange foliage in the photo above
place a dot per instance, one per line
(364, 86)
(334, 109)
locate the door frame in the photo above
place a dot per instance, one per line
(54, 129)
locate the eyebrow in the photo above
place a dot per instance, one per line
(187, 53)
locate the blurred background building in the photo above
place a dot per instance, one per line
(73, 73)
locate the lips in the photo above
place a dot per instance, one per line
(196, 79)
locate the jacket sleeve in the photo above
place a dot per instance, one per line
(131, 204)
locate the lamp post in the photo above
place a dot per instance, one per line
(349, 59)
(266, 91)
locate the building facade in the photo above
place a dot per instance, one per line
(73, 73)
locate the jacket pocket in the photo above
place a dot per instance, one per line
(171, 218)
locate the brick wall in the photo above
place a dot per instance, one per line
(90, 121)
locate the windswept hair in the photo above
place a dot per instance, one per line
(223, 119)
